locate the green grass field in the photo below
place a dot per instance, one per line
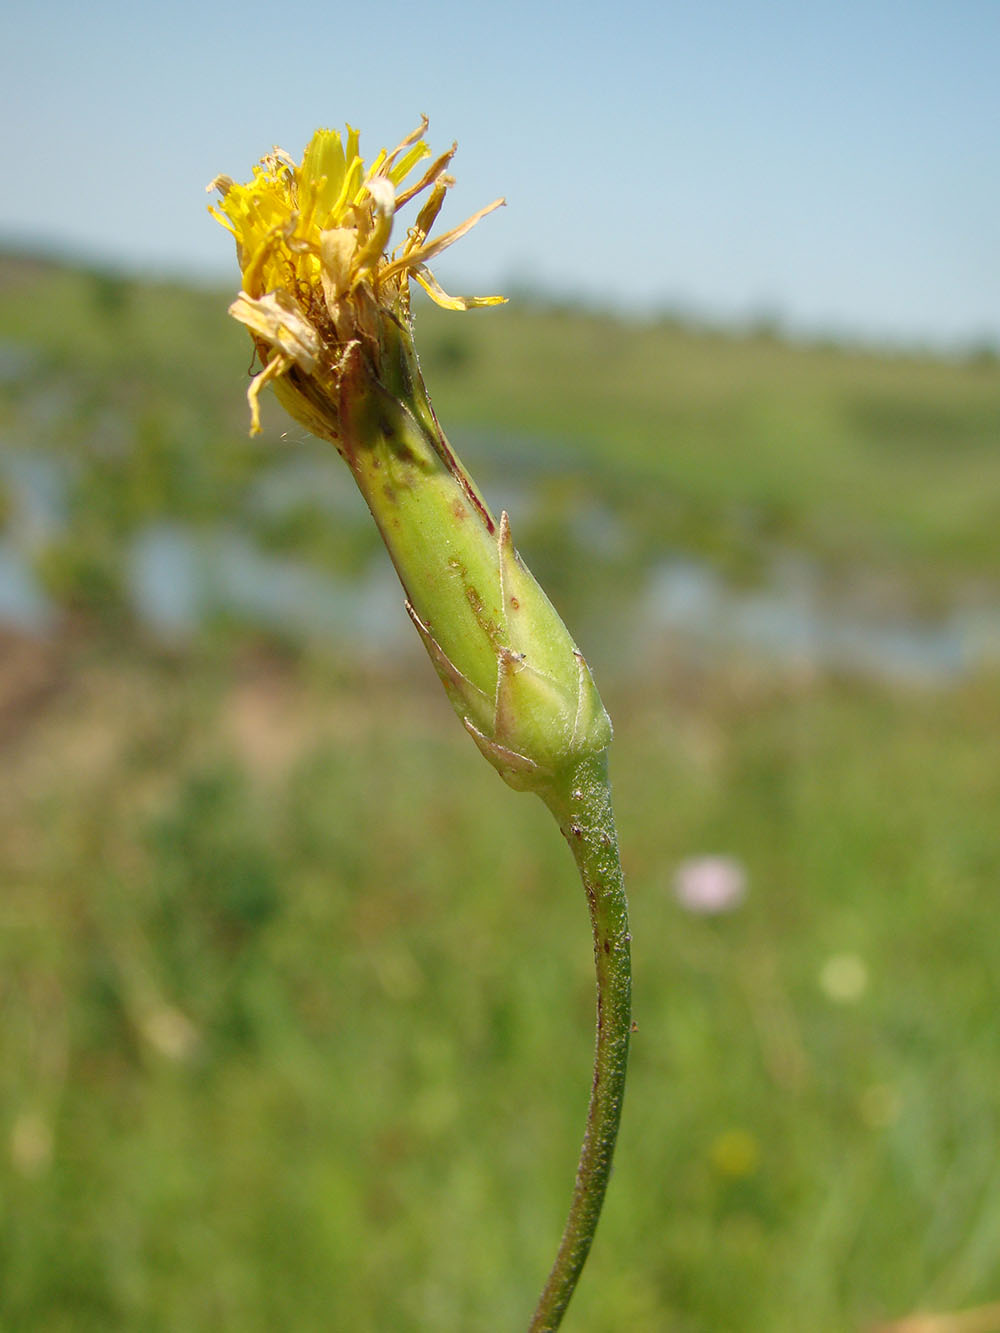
(296, 997)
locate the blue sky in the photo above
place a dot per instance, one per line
(835, 163)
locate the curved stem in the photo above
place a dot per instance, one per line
(582, 805)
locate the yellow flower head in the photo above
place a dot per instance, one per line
(312, 241)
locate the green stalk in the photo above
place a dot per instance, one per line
(582, 807)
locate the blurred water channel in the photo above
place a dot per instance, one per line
(180, 577)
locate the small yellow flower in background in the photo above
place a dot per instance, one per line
(881, 1105)
(735, 1153)
(30, 1143)
(312, 241)
(169, 1032)
(844, 978)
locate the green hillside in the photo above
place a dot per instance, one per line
(716, 444)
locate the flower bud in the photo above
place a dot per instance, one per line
(507, 662)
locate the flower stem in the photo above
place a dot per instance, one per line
(581, 804)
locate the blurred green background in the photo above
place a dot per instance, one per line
(297, 997)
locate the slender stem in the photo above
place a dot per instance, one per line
(582, 806)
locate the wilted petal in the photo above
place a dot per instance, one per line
(277, 319)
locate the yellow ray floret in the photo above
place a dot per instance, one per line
(313, 238)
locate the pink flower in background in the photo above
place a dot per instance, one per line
(710, 884)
